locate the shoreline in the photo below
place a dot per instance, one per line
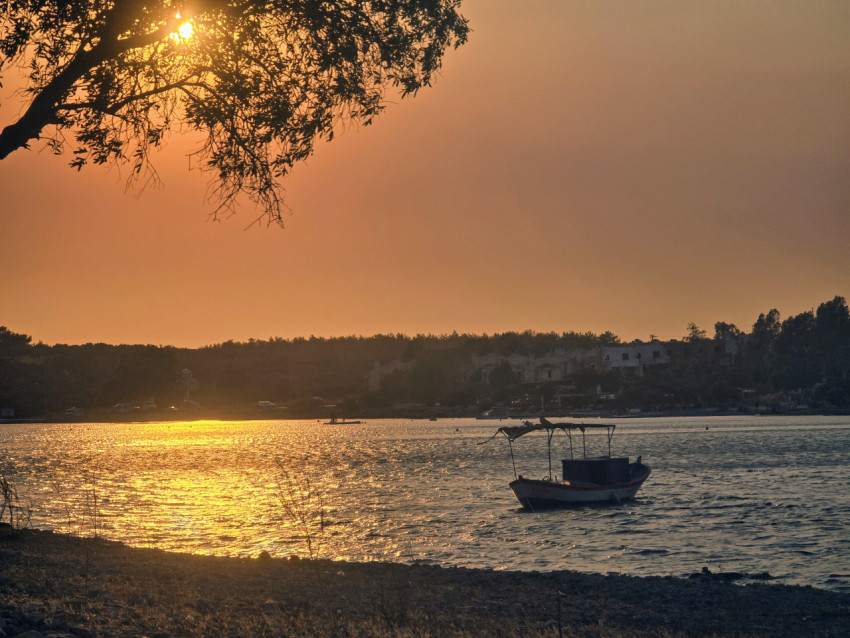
(235, 415)
(94, 587)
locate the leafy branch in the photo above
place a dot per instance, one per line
(263, 81)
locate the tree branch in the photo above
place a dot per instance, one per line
(113, 109)
(43, 110)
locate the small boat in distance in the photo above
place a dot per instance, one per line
(336, 421)
(586, 480)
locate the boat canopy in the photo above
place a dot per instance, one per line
(513, 433)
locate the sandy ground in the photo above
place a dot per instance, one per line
(61, 586)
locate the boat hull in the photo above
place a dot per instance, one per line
(537, 494)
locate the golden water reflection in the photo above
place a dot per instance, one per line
(224, 488)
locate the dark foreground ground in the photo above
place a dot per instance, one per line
(62, 586)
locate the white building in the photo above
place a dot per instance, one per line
(635, 357)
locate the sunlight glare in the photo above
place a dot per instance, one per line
(183, 32)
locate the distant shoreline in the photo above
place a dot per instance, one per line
(231, 415)
(91, 587)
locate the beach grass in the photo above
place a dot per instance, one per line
(71, 586)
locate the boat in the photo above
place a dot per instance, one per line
(336, 421)
(601, 479)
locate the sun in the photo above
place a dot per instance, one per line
(184, 31)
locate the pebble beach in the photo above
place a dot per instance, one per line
(59, 586)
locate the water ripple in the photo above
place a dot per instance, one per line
(749, 495)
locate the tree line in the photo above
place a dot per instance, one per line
(807, 355)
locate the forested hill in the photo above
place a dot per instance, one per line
(807, 354)
(40, 379)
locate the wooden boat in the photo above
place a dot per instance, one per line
(585, 480)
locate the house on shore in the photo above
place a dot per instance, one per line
(635, 357)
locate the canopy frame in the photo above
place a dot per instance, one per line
(514, 432)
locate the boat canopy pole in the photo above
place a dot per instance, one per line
(549, 435)
(513, 462)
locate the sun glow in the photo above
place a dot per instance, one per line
(184, 31)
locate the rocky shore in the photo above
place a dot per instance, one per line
(58, 586)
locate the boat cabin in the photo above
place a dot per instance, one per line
(599, 471)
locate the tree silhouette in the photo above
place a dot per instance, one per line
(695, 333)
(833, 336)
(262, 81)
(723, 330)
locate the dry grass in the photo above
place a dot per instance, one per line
(138, 592)
(12, 508)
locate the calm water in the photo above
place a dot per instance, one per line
(748, 494)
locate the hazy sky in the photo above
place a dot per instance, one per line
(583, 165)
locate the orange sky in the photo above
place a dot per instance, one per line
(591, 165)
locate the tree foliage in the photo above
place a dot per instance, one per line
(723, 330)
(21, 382)
(695, 333)
(262, 81)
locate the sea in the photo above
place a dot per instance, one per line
(756, 495)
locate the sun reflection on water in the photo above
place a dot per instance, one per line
(205, 487)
